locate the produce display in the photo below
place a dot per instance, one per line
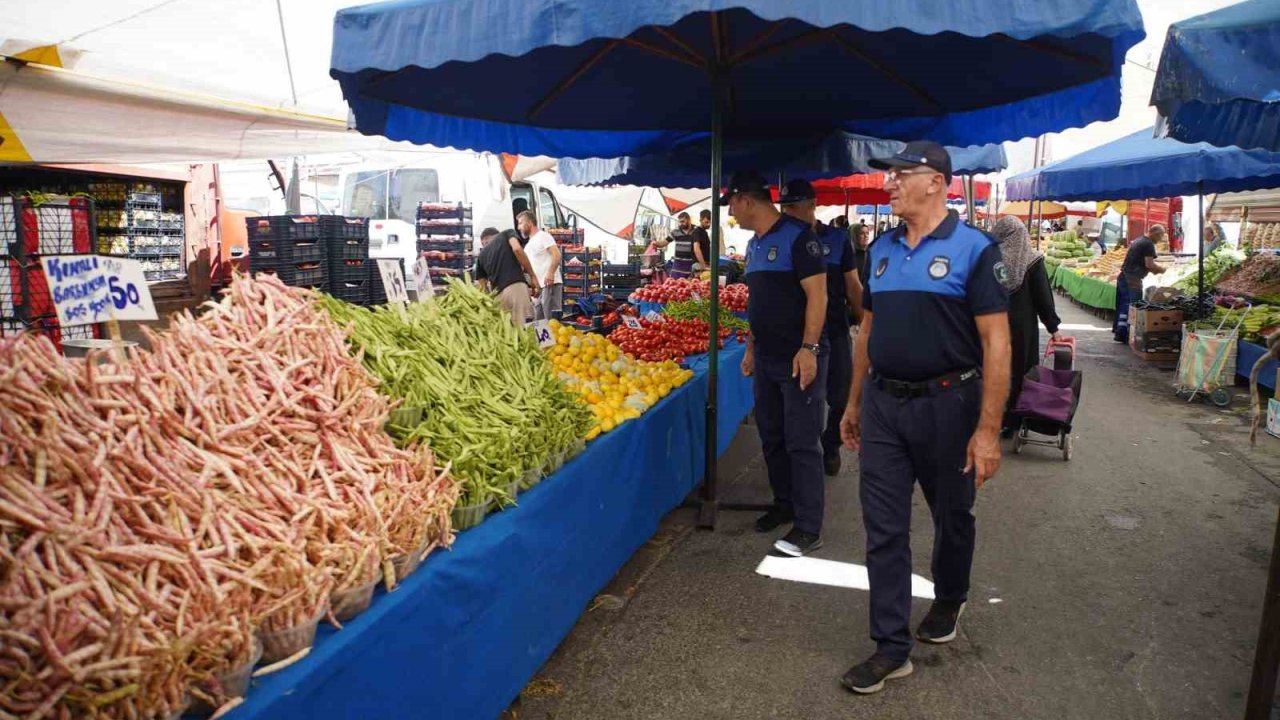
(701, 310)
(1215, 266)
(1066, 245)
(614, 384)
(1259, 320)
(474, 387)
(732, 297)
(169, 517)
(1257, 277)
(659, 340)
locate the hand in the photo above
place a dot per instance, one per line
(549, 281)
(1057, 337)
(537, 289)
(984, 456)
(851, 426)
(748, 364)
(805, 367)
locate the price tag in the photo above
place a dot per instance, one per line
(393, 280)
(89, 289)
(695, 297)
(542, 333)
(422, 279)
(631, 322)
(654, 316)
(723, 280)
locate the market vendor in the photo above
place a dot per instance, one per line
(686, 239)
(702, 248)
(1139, 262)
(844, 291)
(786, 355)
(502, 267)
(545, 259)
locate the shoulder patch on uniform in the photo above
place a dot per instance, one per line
(1001, 271)
(882, 266)
(826, 250)
(773, 253)
(939, 267)
(814, 248)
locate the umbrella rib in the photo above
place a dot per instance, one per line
(747, 56)
(671, 37)
(695, 61)
(758, 40)
(884, 69)
(1045, 47)
(563, 85)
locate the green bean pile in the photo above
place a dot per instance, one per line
(701, 310)
(491, 405)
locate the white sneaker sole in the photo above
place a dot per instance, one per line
(945, 638)
(785, 548)
(901, 672)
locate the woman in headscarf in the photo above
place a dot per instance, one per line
(1030, 303)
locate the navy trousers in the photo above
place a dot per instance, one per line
(839, 377)
(905, 441)
(790, 423)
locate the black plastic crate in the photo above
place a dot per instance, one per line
(351, 270)
(348, 248)
(444, 246)
(269, 251)
(443, 211)
(346, 228)
(377, 292)
(355, 291)
(283, 227)
(307, 274)
(437, 228)
(454, 261)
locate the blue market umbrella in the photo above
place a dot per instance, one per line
(1143, 166)
(598, 78)
(1219, 77)
(836, 155)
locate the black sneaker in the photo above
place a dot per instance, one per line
(939, 626)
(869, 677)
(796, 543)
(772, 520)
(831, 464)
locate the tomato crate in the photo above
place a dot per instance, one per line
(443, 211)
(268, 251)
(307, 274)
(441, 245)
(355, 290)
(56, 226)
(283, 227)
(350, 270)
(348, 248)
(443, 228)
(338, 227)
(456, 261)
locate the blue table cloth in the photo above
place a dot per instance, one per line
(1248, 354)
(462, 636)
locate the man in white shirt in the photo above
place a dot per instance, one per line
(544, 256)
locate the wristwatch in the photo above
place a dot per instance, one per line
(814, 348)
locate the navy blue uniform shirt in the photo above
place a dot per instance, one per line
(837, 250)
(925, 300)
(776, 263)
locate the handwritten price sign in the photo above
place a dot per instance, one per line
(542, 333)
(393, 280)
(631, 322)
(89, 289)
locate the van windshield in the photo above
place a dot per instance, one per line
(389, 194)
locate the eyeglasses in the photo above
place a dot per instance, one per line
(894, 176)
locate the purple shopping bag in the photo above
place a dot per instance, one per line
(1046, 393)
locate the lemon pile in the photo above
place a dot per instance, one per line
(614, 384)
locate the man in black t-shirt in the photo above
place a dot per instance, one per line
(1139, 261)
(503, 266)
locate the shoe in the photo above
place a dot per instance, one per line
(775, 518)
(831, 463)
(869, 677)
(796, 543)
(939, 626)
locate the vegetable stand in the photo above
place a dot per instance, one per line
(485, 615)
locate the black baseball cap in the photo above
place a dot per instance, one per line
(745, 181)
(795, 191)
(918, 153)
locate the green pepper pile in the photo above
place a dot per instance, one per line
(490, 403)
(701, 310)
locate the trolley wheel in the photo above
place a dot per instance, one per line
(1018, 441)
(1066, 446)
(1221, 397)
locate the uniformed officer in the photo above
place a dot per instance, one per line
(786, 353)
(844, 291)
(931, 374)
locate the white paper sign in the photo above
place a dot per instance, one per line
(422, 279)
(542, 333)
(89, 289)
(653, 316)
(631, 322)
(723, 280)
(695, 297)
(393, 280)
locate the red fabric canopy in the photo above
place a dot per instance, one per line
(869, 190)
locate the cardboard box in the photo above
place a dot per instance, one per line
(1156, 342)
(1273, 417)
(1145, 321)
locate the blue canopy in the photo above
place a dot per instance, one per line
(1142, 166)
(598, 78)
(871, 210)
(1219, 77)
(836, 155)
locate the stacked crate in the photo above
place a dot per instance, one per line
(620, 280)
(289, 247)
(572, 237)
(445, 239)
(29, 230)
(583, 275)
(346, 241)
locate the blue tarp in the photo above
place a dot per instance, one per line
(1219, 77)
(871, 210)
(689, 165)
(599, 78)
(1142, 166)
(464, 634)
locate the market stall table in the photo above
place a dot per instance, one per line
(1248, 354)
(463, 635)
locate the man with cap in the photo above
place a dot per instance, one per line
(844, 291)
(931, 374)
(786, 274)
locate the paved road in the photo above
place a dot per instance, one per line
(1129, 584)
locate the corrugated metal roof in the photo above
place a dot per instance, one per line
(1263, 206)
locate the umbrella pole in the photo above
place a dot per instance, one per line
(1266, 661)
(1200, 280)
(710, 503)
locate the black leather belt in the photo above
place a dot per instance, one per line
(902, 389)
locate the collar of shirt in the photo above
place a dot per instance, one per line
(944, 230)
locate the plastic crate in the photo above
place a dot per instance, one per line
(348, 248)
(268, 251)
(351, 270)
(377, 292)
(444, 246)
(283, 227)
(143, 198)
(437, 228)
(356, 292)
(17, 275)
(341, 227)
(443, 211)
(61, 226)
(456, 261)
(307, 274)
